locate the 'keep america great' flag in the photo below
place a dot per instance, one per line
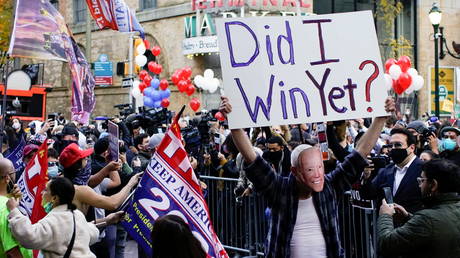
(169, 186)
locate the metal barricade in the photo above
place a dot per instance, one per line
(358, 226)
(240, 225)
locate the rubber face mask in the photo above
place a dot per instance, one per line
(448, 144)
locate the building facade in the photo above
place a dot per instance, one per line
(186, 40)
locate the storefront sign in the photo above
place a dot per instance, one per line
(303, 69)
(200, 45)
(447, 85)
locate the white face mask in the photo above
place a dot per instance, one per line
(16, 125)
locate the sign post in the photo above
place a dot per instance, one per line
(291, 70)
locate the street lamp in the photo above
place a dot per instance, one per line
(435, 16)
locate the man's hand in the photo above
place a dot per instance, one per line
(390, 106)
(433, 143)
(225, 107)
(400, 210)
(387, 209)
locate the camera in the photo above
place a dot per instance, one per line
(125, 109)
(427, 132)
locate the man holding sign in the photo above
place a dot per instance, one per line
(309, 69)
(304, 205)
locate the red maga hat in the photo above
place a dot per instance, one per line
(72, 153)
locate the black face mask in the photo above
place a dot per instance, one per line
(273, 157)
(398, 155)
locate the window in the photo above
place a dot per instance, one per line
(79, 11)
(148, 4)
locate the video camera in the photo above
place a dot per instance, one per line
(149, 119)
(125, 109)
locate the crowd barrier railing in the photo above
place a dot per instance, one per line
(242, 224)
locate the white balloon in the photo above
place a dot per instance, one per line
(199, 81)
(418, 82)
(136, 92)
(136, 84)
(395, 71)
(206, 84)
(410, 89)
(388, 81)
(140, 49)
(214, 85)
(412, 72)
(141, 60)
(208, 73)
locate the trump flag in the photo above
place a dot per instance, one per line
(115, 15)
(32, 182)
(169, 186)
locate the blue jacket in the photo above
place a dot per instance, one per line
(408, 194)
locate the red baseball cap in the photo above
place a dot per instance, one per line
(72, 153)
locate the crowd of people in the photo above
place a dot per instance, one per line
(416, 161)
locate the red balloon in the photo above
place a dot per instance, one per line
(219, 116)
(182, 85)
(187, 72)
(157, 69)
(142, 87)
(195, 104)
(404, 81)
(190, 90)
(147, 44)
(164, 84)
(151, 65)
(397, 87)
(175, 78)
(404, 62)
(165, 103)
(147, 80)
(156, 50)
(183, 74)
(389, 63)
(142, 74)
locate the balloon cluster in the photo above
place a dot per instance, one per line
(207, 81)
(141, 47)
(181, 78)
(153, 92)
(400, 77)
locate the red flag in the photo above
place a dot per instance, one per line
(32, 182)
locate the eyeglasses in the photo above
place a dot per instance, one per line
(420, 180)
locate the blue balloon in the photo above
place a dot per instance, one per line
(156, 96)
(148, 102)
(165, 93)
(157, 104)
(149, 91)
(155, 83)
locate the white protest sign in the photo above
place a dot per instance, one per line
(290, 70)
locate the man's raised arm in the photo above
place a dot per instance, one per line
(368, 140)
(240, 138)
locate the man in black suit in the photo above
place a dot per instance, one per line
(400, 176)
